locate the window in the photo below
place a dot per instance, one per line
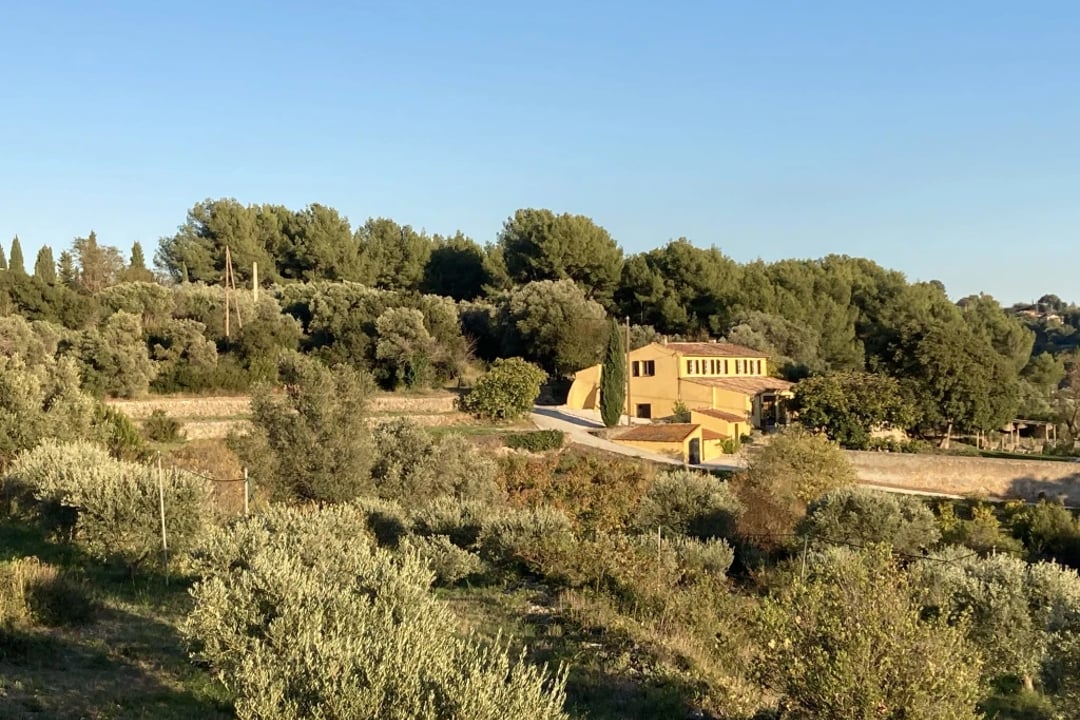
(644, 411)
(759, 367)
(726, 370)
(643, 368)
(689, 367)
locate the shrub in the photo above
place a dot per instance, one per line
(982, 532)
(505, 392)
(595, 492)
(682, 502)
(533, 539)
(412, 465)
(110, 508)
(159, 427)
(313, 444)
(794, 469)
(447, 561)
(384, 519)
(120, 435)
(301, 617)
(851, 641)
(860, 517)
(536, 441)
(711, 558)
(460, 521)
(114, 359)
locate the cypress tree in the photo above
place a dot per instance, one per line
(16, 263)
(3, 260)
(44, 266)
(613, 378)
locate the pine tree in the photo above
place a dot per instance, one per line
(136, 270)
(613, 378)
(65, 269)
(16, 264)
(3, 260)
(44, 266)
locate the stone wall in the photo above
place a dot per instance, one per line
(987, 477)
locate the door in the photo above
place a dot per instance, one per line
(695, 451)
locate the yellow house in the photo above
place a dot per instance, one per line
(688, 442)
(701, 375)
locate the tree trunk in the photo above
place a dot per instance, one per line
(1029, 682)
(948, 437)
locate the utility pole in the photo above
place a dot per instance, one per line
(628, 373)
(255, 282)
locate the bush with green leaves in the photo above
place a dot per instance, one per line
(110, 508)
(413, 465)
(301, 615)
(46, 401)
(113, 358)
(535, 441)
(794, 469)
(1019, 612)
(159, 427)
(858, 517)
(313, 443)
(850, 641)
(684, 502)
(533, 539)
(505, 392)
(449, 563)
(461, 521)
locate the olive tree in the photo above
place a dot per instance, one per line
(301, 615)
(849, 641)
(313, 443)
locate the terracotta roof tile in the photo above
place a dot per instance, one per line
(721, 414)
(749, 385)
(707, 434)
(660, 432)
(717, 349)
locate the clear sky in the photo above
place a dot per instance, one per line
(938, 138)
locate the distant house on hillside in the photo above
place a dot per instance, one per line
(726, 387)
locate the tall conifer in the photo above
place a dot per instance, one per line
(613, 378)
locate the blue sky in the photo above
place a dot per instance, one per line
(941, 139)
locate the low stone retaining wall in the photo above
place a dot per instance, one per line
(989, 477)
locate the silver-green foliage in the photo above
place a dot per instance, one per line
(1020, 612)
(683, 502)
(413, 465)
(301, 615)
(850, 641)
(110, 508)
(858, 516)
(313, 443)
(44, 401)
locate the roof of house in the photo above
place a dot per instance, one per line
(720, 414)
(749, 385)
(715, 349)
(707, 434)
(661, 432)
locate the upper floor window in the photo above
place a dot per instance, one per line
(643, 368)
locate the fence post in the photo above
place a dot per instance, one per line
(247, 491)
(161, 508)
